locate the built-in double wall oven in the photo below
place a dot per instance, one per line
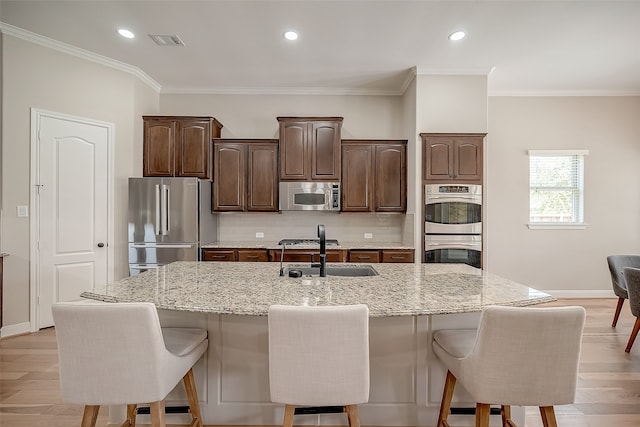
(453, 224)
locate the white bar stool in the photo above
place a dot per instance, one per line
(518, 356)
(319, 356)
(117, 353)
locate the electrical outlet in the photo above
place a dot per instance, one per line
(259, 235)
(368, 235)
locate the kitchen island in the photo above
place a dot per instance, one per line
(407, 302)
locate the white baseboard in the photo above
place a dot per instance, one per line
(571, 293)
(17, 329)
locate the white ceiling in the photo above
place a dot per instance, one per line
(573, 47)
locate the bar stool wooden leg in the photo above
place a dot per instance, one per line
(157, 414)
(132, 411)
(483, 410)
(192, 395)
(505, 412)
(90, 415)
(352, 414)
(447, 395)
(548, 416)
(288, 415)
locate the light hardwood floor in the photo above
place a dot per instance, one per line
(608, 386)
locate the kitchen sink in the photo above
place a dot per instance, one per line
(345, 271)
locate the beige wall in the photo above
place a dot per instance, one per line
(451, 103)
(43, 78)
(254, 116)
(561, 260)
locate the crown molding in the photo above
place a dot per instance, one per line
(411, 76)
(563, 93)
(29, 36)
(281, 91)
(453, 71)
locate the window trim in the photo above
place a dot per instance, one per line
(557, 225)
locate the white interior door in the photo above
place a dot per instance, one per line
(72, 210)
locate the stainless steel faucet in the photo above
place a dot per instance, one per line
(323, 251)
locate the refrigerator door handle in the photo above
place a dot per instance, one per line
(163, 211)
(167, 208)
(158, 230)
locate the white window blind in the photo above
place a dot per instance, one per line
(556, 187)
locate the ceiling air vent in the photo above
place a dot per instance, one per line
(166, 40)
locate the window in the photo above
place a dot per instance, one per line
(556, 188)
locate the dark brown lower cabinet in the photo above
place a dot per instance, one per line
(364, 256)
(219, 255)
(397, 255)
(253, 255)
(381, 255)
(242, 255)
(307, 255)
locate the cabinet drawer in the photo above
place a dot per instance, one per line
(252, 255)
(364, 256)
(218, 255)
(397, 255)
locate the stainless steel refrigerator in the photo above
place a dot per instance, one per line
(168, 220)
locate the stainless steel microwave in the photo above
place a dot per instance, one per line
(309, 196)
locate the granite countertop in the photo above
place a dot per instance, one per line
(249, 288)
(274, 245)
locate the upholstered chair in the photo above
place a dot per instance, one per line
(518, 356)
(117, 353)
(616, 264)
(632, 279)
(319, 356)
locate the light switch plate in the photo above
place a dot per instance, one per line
(22, 211)
(259, 235)
(368, 235)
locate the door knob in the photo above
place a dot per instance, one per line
(100, 245)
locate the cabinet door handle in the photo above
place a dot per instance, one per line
(364, 257)
(218, 256)
(397, 257)
(252, 256)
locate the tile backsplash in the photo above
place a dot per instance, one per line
(346, 227)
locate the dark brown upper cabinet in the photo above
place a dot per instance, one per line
(374, 175)
(310, 148)
(179, 145)
(452, 157)
(245, 175)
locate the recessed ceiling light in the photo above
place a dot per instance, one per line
(291, 35)
(457, 35)
(126, 33)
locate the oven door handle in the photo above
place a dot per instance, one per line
(460, 199)
(457, 244)
(454, 245)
